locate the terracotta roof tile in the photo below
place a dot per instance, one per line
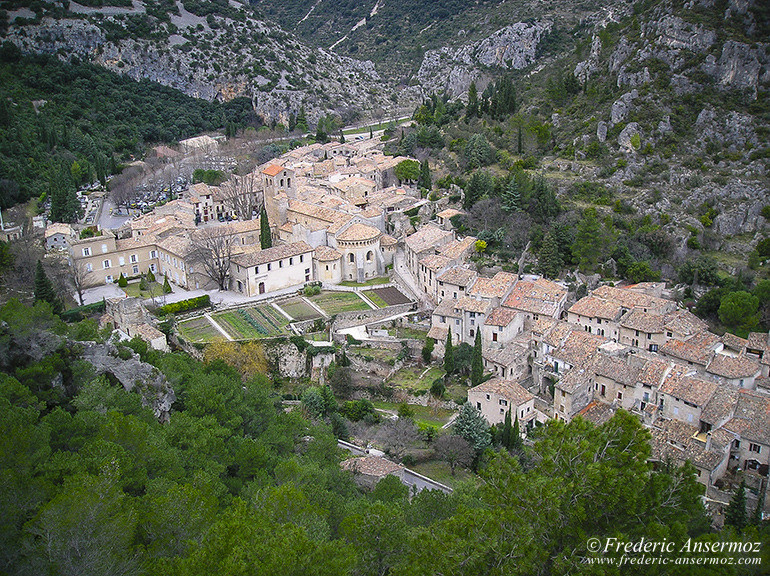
(512, 391)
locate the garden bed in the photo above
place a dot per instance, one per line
(198, 330)
(336, 302)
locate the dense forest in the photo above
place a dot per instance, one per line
(77, 121)
(233, 483)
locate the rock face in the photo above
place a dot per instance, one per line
(621, 106)
(453, 69)
(629, 139)
(148, 381)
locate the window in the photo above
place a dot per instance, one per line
(106, 264)
(269, 266)
(478, 405)
(307, 274)
(256, 269)
(133, 259)
(152, 268)
(503, 402)
(494, 336)
(620, 395)
(291, 261)
(301, 257)
(676, 411)
(153, 254)
(369, 256)
(107, 279)
(487, 396)
(327, 267)
(121, 261)
(502, 410)
(755, 448)
(457, 321)
(86, 251)
(351, 258)
(89, 268)
(104, 248)
(443, 319)
(135, 269)
(669, 334)
(280, 263)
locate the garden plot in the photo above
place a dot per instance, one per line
(199, 330)
(298, 309)
(251, 323)
(382, 297)
(336, 302)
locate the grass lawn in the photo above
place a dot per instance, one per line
(317, 336)
(415, 377)
(372, 282)
(299, 309)
(132, 290)
(381, 354)
(376, 300)
(401, 332)
(198, 330)
(336, 302)
(425, 414)
(439, 471)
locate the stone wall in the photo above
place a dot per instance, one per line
(365, 317)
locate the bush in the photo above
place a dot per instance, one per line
(312, 290)
(122, 282)
(184, 305)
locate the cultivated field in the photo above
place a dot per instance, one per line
(383, 297)
(250, 323)
(336, 302)
(198, 330)
(298, 309)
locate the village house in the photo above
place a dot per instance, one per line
(58, 236)
(255, 272)
(495, 397)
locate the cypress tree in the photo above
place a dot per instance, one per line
(477, 363)
(549, 259)
(735, 515)
(44, 290)
(166, 285)
(449, 359)
(473, 102)
(426, 181)
(507, 431)
(122, 282)
(265, 238)
(756, 518)
(515, 434)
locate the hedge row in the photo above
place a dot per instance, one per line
(184, 305)
(77, 314)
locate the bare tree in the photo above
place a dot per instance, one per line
(398, 435)
(454, 450)
(212, 251)
(242, 195)
(123, 187)
(78, 275)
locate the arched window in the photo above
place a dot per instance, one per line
(369, 256)
(352, 257)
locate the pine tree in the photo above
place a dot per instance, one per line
(549, 259)
(735, 515)
(470, 424)
(588, 241)
(472, 109)
(449, 359)
(477, 362)
(302, 120)
(512, 196)
(44, 290)
(265, 238)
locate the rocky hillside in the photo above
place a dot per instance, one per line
(219, 55)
